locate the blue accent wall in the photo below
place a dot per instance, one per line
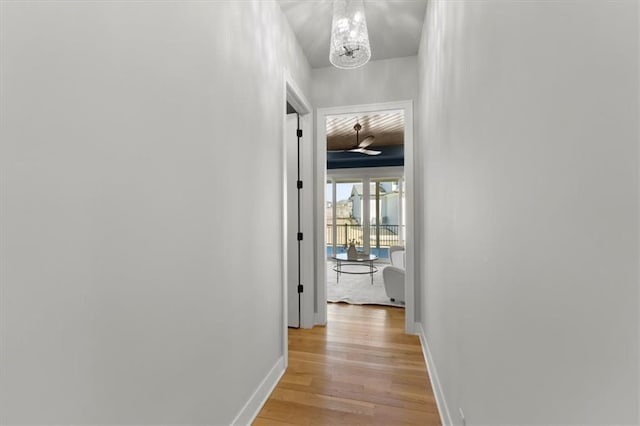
(391, 156)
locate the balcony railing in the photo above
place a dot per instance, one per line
(379, 235)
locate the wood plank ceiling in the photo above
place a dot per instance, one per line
(387, 128)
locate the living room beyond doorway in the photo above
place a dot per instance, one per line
(364, 224)
(364, 192)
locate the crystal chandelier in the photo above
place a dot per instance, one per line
(349, 36)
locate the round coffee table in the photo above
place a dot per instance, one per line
(362, 259)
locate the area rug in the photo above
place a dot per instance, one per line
(357, 289)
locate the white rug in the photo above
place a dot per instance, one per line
(357, 289)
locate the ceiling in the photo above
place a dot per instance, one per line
(394, 27)
(387, 128)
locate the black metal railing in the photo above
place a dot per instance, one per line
(379, 235)
(384, 235)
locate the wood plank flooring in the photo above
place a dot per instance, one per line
(361, 369)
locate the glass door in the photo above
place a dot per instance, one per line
(368, 212)
(329, 233)
(345, 216)
(386, 222)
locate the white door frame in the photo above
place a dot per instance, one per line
(295, 96)
(321, 179)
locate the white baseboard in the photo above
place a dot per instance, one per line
(253, 406)
(443, 408)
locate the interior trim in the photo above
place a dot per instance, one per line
(441, 402)
(320, 182)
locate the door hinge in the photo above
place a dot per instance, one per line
(299, 236)
(299, 133)
(299, 184)
(300, 288)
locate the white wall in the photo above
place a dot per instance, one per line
(378, 81)
(530, 251)
(141, 205)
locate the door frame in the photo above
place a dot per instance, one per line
(295, 96)
(319, 211)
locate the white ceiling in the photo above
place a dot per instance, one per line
(394, 27)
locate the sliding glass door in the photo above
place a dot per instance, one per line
(386, 223)
(368, 211)
(345, 216)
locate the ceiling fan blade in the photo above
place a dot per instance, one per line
(366, 142)
(337, 150)
(365, 151)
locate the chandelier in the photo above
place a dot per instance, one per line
(349, 36)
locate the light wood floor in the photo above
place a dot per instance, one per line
(359, 370)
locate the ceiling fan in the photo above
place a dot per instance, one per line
(360, 146)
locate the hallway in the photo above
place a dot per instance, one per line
(144, 223)
(360, 369)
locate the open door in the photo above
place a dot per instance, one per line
(300, 250)
(293, 216)
(298, 205)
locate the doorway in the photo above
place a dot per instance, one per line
(297, 181)
(372, 221)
